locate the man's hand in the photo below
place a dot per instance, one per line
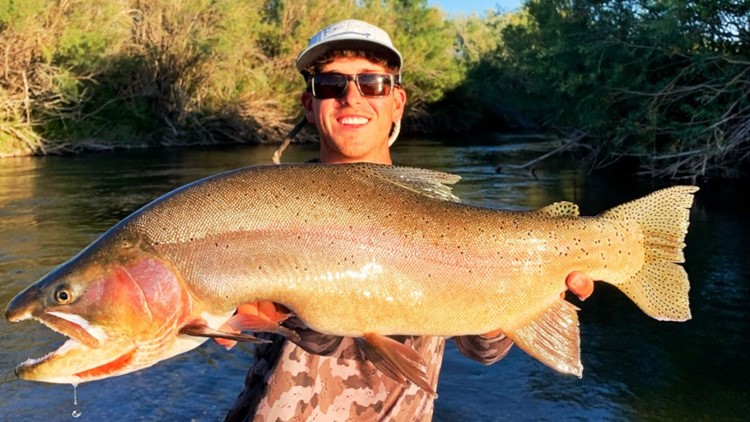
(580, 284)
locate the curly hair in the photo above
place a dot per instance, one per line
(331, 55)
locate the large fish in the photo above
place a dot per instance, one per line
(358, 250)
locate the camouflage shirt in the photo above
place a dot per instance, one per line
(291, 382)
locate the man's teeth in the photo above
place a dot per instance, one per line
(353, 121)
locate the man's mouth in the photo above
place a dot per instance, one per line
(353, 120)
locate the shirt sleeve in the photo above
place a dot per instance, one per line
(485, 350)
(312, 341)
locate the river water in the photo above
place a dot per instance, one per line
(635, 368)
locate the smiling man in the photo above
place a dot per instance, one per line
(355, 99)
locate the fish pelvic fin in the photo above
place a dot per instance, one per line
(552, 337)
(396, 360)
(660, 288)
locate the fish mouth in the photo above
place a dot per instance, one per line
(80, 358)
(29, 369)
(73, 326)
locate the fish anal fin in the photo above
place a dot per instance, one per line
(396, 360)
(559, 209)
(552, 337)
(199, 328)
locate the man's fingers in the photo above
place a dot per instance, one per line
(580, 284)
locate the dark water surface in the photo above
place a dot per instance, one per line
(636, 368)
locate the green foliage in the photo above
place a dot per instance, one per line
(108, 73)
(20, 13)
(665, 81)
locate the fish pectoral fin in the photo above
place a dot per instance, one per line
(396, 360)
(261, 317)
(200, 329)
(552, 337)
(265, 311)
(243, 322)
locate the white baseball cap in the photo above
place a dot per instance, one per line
(349, 34)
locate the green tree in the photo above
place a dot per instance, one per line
(662, 81)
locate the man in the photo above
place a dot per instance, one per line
(355, 99)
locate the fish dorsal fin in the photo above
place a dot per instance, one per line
(396, 360)
(560, 209)
(431, 183)
(552, 337)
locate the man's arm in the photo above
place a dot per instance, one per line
(486, 349)
(312, 341)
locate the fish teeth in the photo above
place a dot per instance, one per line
(69, 344)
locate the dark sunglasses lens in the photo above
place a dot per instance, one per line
(329, 85)
(374, 85)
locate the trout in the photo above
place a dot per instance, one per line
(359, 250)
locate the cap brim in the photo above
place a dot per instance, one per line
(311, 54)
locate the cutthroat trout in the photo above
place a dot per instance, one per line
(357, 250)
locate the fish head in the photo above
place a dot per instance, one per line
(120, 307)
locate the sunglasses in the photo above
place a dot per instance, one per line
(334, 85)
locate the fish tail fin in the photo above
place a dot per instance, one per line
(661, 286)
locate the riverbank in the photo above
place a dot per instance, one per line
(643, 81)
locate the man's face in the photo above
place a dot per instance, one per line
(354, 128)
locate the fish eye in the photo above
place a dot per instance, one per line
(63, 295)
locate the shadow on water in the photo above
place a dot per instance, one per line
(635, 368)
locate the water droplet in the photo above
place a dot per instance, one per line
(76, 413)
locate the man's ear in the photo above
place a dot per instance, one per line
(399, 102)
(307, 102)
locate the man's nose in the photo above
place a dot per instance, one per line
(352, 94)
